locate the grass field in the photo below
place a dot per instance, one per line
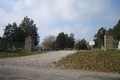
(19, 54)
(105, 61)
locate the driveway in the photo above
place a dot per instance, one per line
(40, 67)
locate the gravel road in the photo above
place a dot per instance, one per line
(40, 67)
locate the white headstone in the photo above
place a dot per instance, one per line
(118, 46)
(102, 47)
(13, 48)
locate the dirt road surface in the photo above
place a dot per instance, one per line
(40, 67)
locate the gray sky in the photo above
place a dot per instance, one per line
(81, 17)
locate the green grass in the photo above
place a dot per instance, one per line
(105, 61)
(18, 54)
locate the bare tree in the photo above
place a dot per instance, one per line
(48, 41)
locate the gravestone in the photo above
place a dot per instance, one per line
(29, 43)
(102, 47)
(119, 46)
(108, 41)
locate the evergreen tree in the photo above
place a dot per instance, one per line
(61, 41)
(9, 32)
(99, 37)
(12, 33)
(116, 31)
(81, 45)
(29, 28)
(72, 41)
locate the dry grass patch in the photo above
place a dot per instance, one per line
(105, 61)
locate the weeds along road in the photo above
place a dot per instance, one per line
(40, 67)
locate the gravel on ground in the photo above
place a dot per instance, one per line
(40, 67)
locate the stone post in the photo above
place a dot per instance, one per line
(29, 43)
(108, 41)
(1, 44)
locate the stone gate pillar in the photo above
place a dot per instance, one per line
(1, 44)
(108, 41)
(29, 43)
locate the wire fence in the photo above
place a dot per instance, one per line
(115, 44)
(14, 46)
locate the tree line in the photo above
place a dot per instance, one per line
(99, 36)
(18, 33)
(14, 33)
(63, 41)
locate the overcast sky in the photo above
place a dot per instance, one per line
(81, 17)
